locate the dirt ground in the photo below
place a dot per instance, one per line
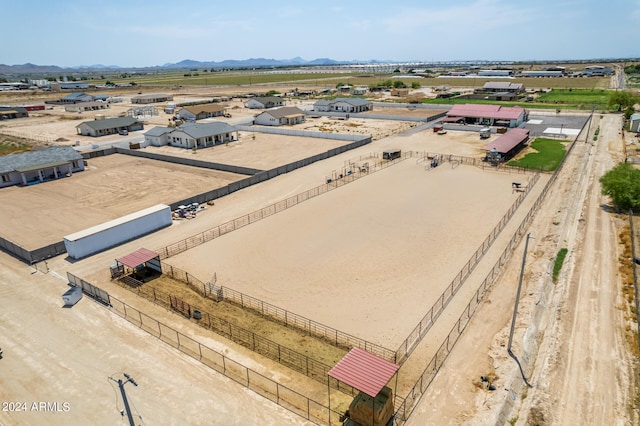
(106, 190)
(582, 371)
(348, 242)
(256, 150)
(580, 375)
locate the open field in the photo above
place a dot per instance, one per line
(110, 187)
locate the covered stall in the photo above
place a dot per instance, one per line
(140, 264)
(369, 374)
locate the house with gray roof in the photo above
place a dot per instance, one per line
(280, 116)
(108, 126)
(348, 105)
(200, 112)
(192, 135)
(262, 102)
(28, 168)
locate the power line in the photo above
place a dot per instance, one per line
(121, 384)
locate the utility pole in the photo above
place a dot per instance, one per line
(124, 395)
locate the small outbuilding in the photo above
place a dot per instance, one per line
(368, 374)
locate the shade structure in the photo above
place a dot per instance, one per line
(363, 371)
(138, 257)
(508, 141)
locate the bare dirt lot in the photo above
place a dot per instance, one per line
(257, 150)
(110, 187)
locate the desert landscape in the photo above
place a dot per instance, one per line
(368, 258)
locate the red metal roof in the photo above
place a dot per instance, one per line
(508, 141)
(137, 258)
(485, 111)
(364, 371)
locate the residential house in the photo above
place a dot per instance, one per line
(263, 102)
(192, 135)
(109, 126)
(348, 105)
(28, 168)
(200, 112)
(280, 116)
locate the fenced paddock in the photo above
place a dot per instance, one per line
(344, 260)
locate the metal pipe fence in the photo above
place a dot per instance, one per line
(283, 355)
(404, 410)
(417, 334)
(266, 387)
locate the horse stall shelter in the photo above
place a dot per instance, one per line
(151, 98)
(486, 115)
(29, 168)
(507, 145)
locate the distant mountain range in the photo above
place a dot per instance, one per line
(184, 64)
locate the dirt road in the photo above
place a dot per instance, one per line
(582, 374)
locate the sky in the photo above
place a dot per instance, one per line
(139, 33)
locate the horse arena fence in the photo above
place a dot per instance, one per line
(283, 355)
(305, 407)
(302, 405)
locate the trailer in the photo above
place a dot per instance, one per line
(391, 154)
(110, 234)
(485, 133)
(71, 296)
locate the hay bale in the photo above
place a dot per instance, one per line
(363, 412)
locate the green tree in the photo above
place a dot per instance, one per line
(399, 84)
(622, 99)
(272, 93)
(415, 85)
(622, 185)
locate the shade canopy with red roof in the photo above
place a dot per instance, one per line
(363, 371)
(138, 257)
